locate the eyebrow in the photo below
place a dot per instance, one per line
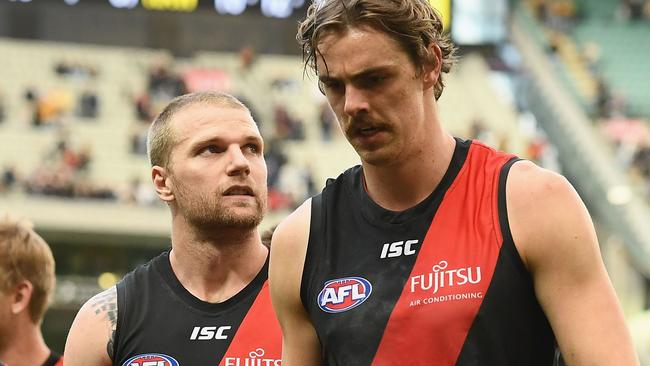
(219, 139)
(359, 75)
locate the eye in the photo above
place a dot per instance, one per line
(211, 149)
(372, 80)
(253, 148)
(330, 86)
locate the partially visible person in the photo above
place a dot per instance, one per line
(205, 302)
(26, 284)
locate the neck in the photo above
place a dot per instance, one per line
(26, 347)
(411, 179)
(216, 265)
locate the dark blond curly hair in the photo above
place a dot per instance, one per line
(414, 24)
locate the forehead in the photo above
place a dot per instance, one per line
(201, 120)
(353, 49)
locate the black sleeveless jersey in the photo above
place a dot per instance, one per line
(160, 323)
(441, 283)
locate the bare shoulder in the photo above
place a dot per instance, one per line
(288, 250)
(545, 213)
(291, 236)
(556, 239)
(300, 345)
(529, 184)
(92, 334)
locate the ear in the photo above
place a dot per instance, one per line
(22, 295)
(432, 66)
(162, 183)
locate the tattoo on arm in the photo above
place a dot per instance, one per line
(105, 306)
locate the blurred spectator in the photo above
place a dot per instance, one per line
(618, 105)
(31, 98)
(139, 140)
(9, 178)
(591, 54)
(52, 107)
(3, 113)
(143, 108)
(603, 96)
(247, 57)
(296, 184)
(327, 120)
(142, 193)
(75, 70)
(286, 126)
(164, 84)
(478, 131)
(88, 104)
(64, 173)
(642, 160)
(631, 10)
(561, 15)
(275, 160)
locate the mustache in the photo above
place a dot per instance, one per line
(355, 123)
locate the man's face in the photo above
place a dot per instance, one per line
(217, 172)
(375, 91)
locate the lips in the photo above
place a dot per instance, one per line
(239, 191)
(367, 130)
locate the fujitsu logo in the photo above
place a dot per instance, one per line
(440, 277)
(255, 358)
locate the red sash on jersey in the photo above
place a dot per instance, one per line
(442, 296)
(259, 336)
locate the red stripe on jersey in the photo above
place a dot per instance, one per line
(451, 275)
(259, 336)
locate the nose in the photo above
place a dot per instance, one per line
(355, 101)
(238, 163)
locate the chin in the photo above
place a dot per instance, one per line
(377, 158)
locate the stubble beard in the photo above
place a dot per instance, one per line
(208, 211)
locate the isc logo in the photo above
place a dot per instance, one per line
(398, 248)
(151, 359)
(209, 333)
(344, 294)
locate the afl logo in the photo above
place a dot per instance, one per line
(151, 359)
(343, 294)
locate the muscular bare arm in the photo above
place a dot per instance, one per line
(300, 345)
(556, 239)
(90, 341)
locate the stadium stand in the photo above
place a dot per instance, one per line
(96, 101)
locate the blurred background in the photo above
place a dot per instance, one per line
(564, 83)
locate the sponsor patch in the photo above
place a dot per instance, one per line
(343, 294)
(151, 359)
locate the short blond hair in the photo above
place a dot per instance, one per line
(160, 139)
(24, 255)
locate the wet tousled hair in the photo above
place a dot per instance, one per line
(414, 24)
(160, 139)
(25, 256)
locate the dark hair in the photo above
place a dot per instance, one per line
(414, 24)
